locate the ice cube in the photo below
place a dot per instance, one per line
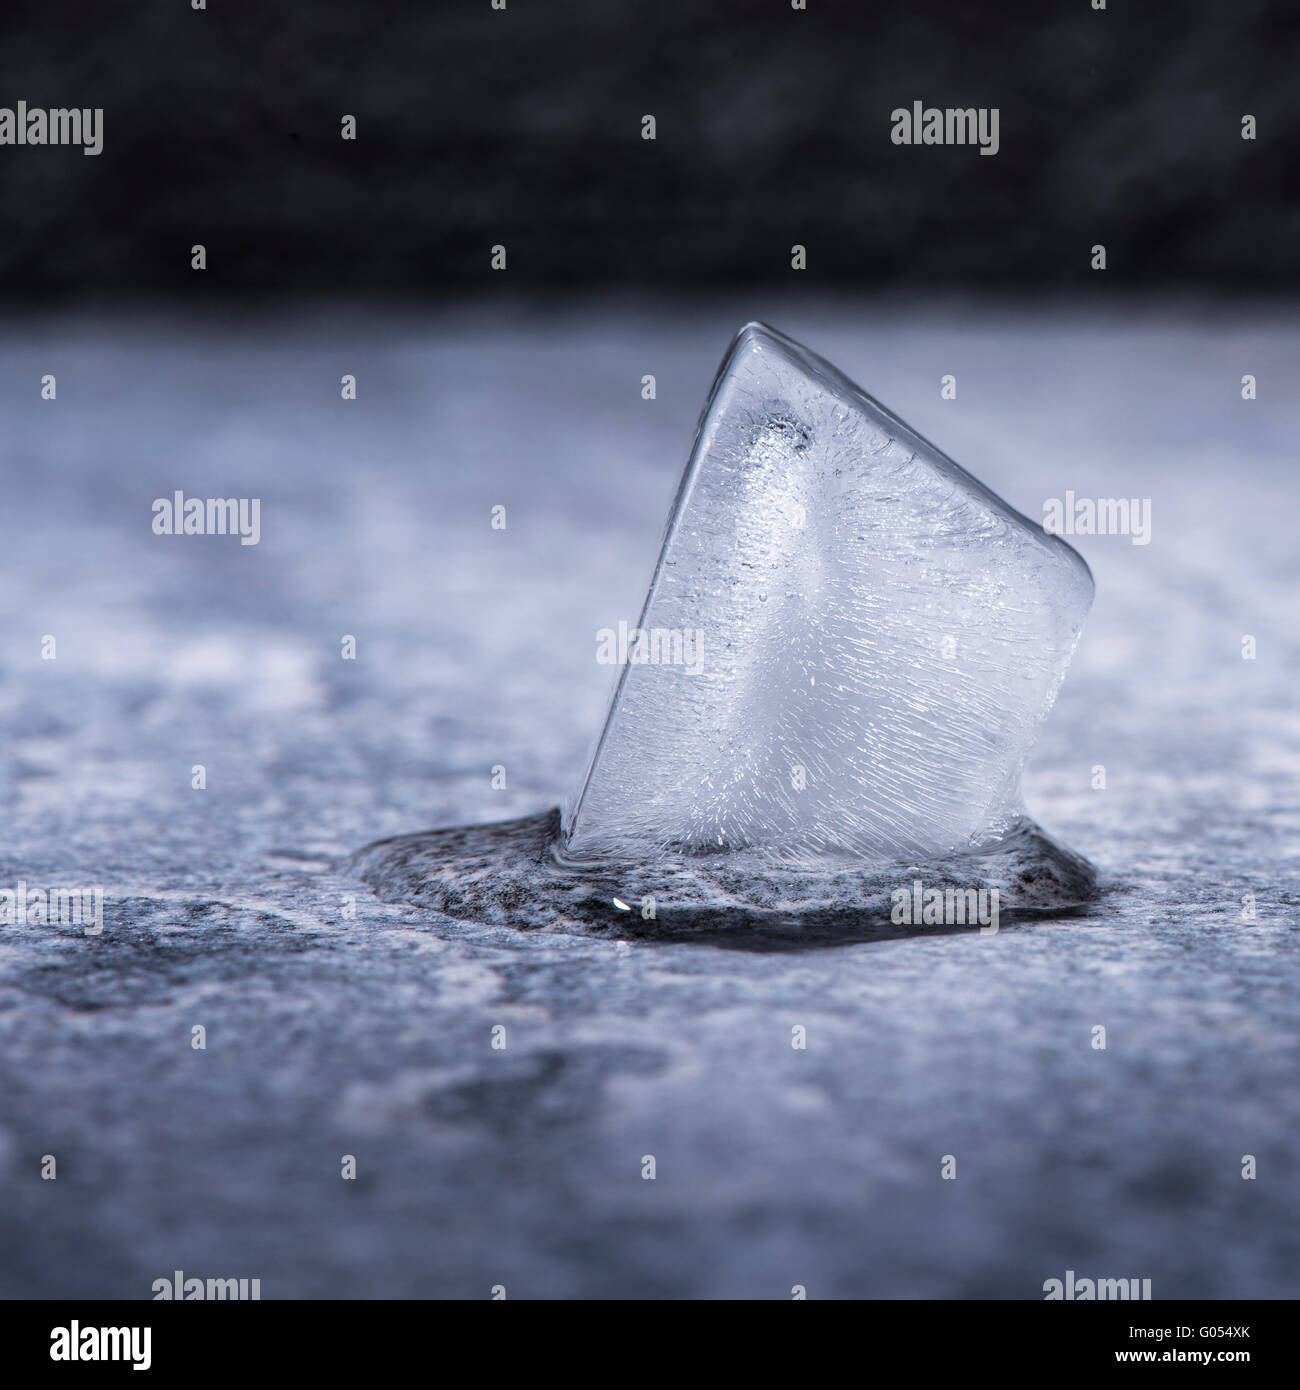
(848, 644)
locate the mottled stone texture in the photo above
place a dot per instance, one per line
(341, 1024)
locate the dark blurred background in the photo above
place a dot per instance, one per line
(523, 127)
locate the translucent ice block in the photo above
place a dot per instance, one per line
(848, 645)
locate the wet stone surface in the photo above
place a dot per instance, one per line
(513, 872)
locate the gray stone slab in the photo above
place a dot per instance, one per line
(339, 1024)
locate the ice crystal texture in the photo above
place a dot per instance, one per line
(848, 645)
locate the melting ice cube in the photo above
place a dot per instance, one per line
(848, 645)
